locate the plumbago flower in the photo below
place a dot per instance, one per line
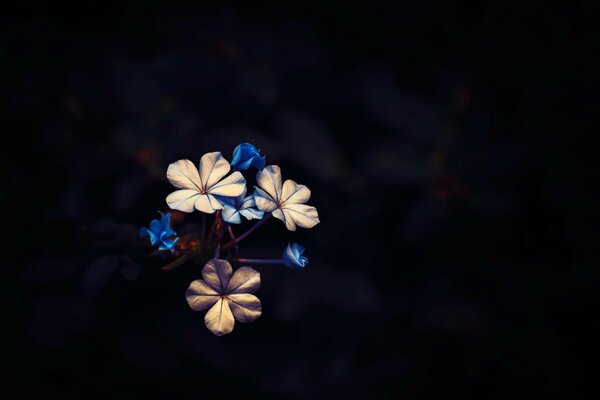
(245, 156)
(199, 186)
(235, 207)
(228, 295)
(161, 233)
(292, 256)
(284, 201)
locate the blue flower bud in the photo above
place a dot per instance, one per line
(246, 155)
(292, 256)
(161, 233)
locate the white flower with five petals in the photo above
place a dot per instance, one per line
(227, 294)
(284, 201)
(198, 188)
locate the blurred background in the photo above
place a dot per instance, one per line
(447, 149)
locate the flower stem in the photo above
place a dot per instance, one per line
(232, 237)
(218, 233)
(247, 233)
(256, 261)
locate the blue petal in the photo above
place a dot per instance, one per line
(231, 215)
(246, 155)
(258, 162)
(144, 232)
(303, 261)
(291, 256)
(297, 250)
(156, 226)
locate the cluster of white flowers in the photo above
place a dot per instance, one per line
(210, 189)
(206, 189)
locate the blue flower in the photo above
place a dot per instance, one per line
(161, 233)
(246, 155)
(292, 256)
(235, 207)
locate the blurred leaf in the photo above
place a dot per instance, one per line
(131, 271)
(99, 273)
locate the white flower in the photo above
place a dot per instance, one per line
(228, 297)
(285, 201)
(234, 207)
(198, 188)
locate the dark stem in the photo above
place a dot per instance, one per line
(232, 237)
(247, 233)
(219, 231)
(256, 261)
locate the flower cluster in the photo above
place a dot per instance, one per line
(211, 189)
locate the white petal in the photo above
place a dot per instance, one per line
(207, 203)
(200, 296)
(264, 201)
(247, 202)
(244, 280)
(231, 215)
(231, 186)
(240, 199)
(248, 208)
(183, 200)
(287, 219)
(183, 175)
(304, 216)
(219, 319)
(269, 180)
(294, 193)
(216, 274)
(212, 168)
(245, 307)
(252, 213)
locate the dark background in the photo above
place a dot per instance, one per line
(448, 150)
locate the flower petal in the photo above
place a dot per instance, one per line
(231, 186)
(156, 226)
(183, 175)
(245, 307)
(212, 168)
(219, 319)
(252, 213)
(207, 203)
(269, 180)
(286, 218)
(216, 274)
(294, 193)
(247, 202)
(183, 200)
(144, 232)
(303, 215)
(292, 256)
(200, 296)
(264, 201)
(244, 280)
(231, 215)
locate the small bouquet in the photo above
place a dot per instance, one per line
(228, 294)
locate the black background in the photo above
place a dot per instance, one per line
(448, 148)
